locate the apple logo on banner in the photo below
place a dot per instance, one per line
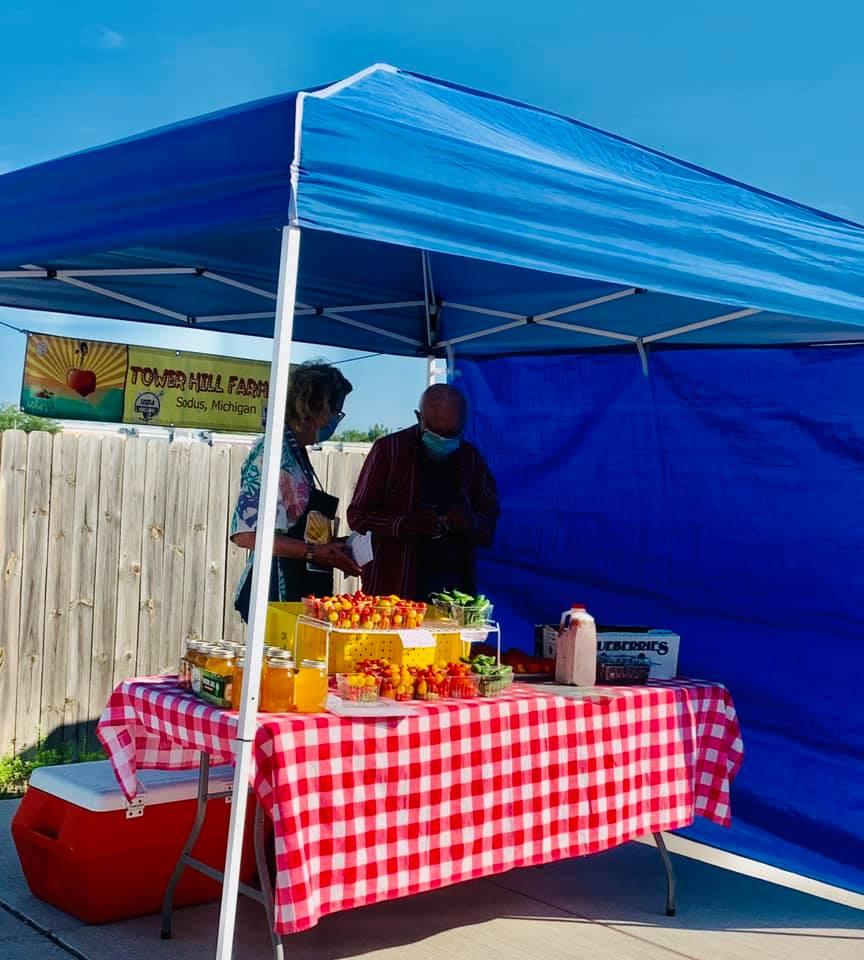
(79, 379)
(147, 406)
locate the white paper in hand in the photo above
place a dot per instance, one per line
(360, 548)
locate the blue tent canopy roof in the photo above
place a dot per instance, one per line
(521, 213)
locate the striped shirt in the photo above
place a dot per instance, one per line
(388, 490)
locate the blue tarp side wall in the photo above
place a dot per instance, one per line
(722, 497)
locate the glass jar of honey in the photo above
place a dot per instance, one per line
(217, 677)
(277, 683)
(310, 687)
(184, 675)
(237, 685)
(196, 661)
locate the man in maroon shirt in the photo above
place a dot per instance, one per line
(429, 499)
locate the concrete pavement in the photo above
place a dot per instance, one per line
(608, 907)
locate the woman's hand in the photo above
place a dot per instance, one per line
(335, 555)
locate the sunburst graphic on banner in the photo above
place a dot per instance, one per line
(84, 366)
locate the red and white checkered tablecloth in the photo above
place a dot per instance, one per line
(369, 810)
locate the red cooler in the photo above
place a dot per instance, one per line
(84, 850)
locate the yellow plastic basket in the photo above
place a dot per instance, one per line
(282, 628)
(347, 647)
(450, 647)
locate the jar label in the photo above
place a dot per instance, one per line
(216, 688)
(196, 679)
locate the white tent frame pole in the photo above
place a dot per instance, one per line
(130, 272)
(485, 311)
(593, 331)
(587, 304)
(487, 332)
(544, 319)
(272, 461)
(700, 325)
(350, 322)
(228, 317)
(360, 307)
(248, 288)
(113, 295)
(427, 299)
(73, 277)
(39, 273)
(526, 321)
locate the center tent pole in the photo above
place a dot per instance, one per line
(280, 367)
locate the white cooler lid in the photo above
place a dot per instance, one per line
(93, 785)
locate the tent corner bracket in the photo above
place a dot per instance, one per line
(643, 355)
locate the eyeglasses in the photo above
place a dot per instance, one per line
(450, 435)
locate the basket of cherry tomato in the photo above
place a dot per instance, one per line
(360, 611)
(480, 676)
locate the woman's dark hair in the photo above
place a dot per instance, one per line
(315, 389)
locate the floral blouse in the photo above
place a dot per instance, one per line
(294, 492)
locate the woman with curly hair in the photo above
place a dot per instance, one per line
(316, 394)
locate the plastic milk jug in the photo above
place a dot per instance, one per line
(576, 661)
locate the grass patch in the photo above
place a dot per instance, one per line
(15, 772)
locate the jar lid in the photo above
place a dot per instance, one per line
(314, 664)
(280, 663)
(193, 645)
(226, 653)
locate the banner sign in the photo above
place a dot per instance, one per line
(114, 383)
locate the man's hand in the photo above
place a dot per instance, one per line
(421, 523)
(335, 555)
(460, 519)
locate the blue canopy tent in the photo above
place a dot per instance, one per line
(554, 265)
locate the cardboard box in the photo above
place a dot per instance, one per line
(659, 646)
(546, 640)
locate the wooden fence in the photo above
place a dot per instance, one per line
(114, 550)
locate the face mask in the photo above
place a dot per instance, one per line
(439, 448)
(323, 434)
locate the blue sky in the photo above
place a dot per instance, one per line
(766, 93)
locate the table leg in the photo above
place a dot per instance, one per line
(263, 896)
(671, 905)
(191, 840)
(266, 882)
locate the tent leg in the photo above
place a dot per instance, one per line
(671, 905)
(279, 369)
